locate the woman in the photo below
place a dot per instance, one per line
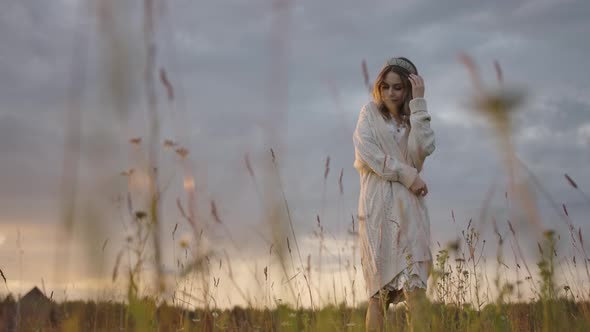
(392, 139)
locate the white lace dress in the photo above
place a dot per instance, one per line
(394, 226)
(416, 274)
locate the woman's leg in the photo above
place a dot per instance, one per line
(376, 313)
(417, 309)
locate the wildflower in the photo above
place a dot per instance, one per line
(184, 241)
(166, 82)
(214, 212)
(548, 233)
(182, 152)
(248, 165)
(169, 143)
(496, 103)
(454, 246)
(129, 235)
(189, 183)
(366, 75)
(140, 215)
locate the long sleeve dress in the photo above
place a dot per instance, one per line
(394, 226)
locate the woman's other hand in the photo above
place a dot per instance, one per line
(419, 188)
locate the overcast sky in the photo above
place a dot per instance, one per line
(249, 76)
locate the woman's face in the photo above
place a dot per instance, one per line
(392, 91)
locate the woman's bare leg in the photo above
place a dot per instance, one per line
(417, 309)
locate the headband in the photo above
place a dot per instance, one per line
(405, 64)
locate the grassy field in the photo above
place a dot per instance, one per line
(558, 315)
(457, 302)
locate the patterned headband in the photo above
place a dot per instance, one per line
(403, 64)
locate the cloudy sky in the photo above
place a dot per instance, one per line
(253, 75)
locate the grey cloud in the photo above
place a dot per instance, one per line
(27, 148)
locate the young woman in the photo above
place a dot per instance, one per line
(392, 139)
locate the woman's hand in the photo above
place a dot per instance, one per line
(419, 188)
(417, 86)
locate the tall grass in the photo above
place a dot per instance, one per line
(291, 297)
